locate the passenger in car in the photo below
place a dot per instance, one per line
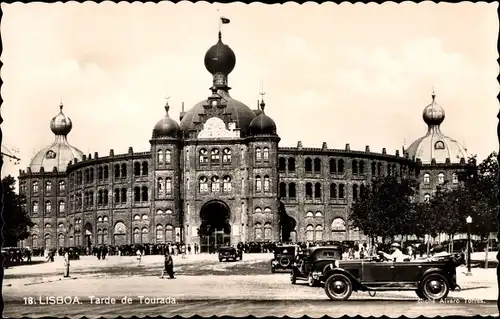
(396, 254)
(438, 252)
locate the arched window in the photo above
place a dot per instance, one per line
(340, 167)
(215, 184)
(258, 154)
(427, 178)
(137, 168)
(160, 239)
(168, 157)
(267, 210)
(160, 156)
(99, 236)
(292, 191)
(105, 238)
(318, 214)
(105, 218)
(354, 166)
(318, 233)
(226, 184)
(106, 173)
(47, 241)
(215, 156)
(309, 233)
(91, 175)
(317, 190)
(374, 168)
(267, 231)
(159, 185)
(454, 178)
(99, 197)
(308, 164)
(361, 167)
(203, 156)
(137, 235)
(389, 170)
(333, 191)
(168, 185)
(124, 195)
(282, 190)
(258, 184)
(47, 226)
(169, 234)
(258, 210)
(144, 235)
(282, 164)
(338, 225)
(144, 193)
(265, 154)
(267, 184)
(48, 207)
(99, 219)
(333, 166)
(105, 196)
(168, 211)
(317, 165)
(145, 168)
(87, 176)
(291, 164)
(117, 195)
(341, 191)
(441, 178)
(35, 187)
(144, 217)
(439, 145)
(124, 170)
(159, 212)
(354, 192)
(362, 191)
(379, 169)
(48, 186)
(120, 228)
(203, 184)
(258, 231)
(62, 206)
(99, 173)
(137, 194)
(309, 214)
(91, 198)
(137, 217)
(309, 191)
(226, 156)
(427, 197)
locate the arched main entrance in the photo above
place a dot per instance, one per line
(215, 229)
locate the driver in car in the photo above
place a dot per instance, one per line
(438, 251)
(396, 253)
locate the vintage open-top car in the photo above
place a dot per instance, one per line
(430, 279)
(229, 252)
(284, 257)
(310, 263)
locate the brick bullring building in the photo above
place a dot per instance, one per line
(218, 176)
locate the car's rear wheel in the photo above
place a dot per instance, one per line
(293, 279)
(338, 287)
(434, 287)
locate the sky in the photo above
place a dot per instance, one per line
(349, 73)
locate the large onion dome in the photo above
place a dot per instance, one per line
(435, 145)
(220, 58)
(166, 127)
(262, 124)
(60, 152)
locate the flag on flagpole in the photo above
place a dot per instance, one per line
(224, 20)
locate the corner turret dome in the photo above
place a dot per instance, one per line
(435, 145)
(166, 127)
(60, 152)
(262, 124)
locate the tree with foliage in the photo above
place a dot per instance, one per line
(15, 220)
(386, 209)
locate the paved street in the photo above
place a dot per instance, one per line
(206, 287)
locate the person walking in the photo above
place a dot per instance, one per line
(66, 264)
(169, 266)
(139, 257)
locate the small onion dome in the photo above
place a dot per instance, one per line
(61, 124)
(166, 127)
(433, 113)
(220, 58)
(262, 124)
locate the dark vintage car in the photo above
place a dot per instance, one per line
(284, 257)
(228, 252)
(310, 263)
(430, 279)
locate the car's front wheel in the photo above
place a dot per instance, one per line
(434, 287)
(338, 287)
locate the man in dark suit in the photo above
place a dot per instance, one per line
(169, 266)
